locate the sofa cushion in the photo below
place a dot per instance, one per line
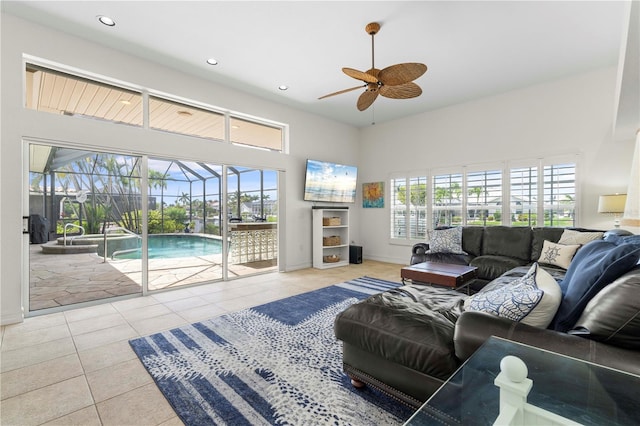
(539, 235)
(613, 315)
(472, 240)
(571, 236)
(558, 254)
(411, 325)
(507, 241)
(490, 267)
(446, 241)
(533, 299)
(596, 264)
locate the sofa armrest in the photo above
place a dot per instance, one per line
(474, 328)
(418, 252)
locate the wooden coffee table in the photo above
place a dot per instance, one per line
(444, 274)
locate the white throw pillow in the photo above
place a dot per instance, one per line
(446, 241)
(569, 236)
(546, 309)
(557, 254)
(532, 299)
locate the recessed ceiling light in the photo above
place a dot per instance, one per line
(106, 21)
(212, 61)
(125, 102)
(185, 113)
(283, 87)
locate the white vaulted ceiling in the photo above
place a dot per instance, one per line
(472, 48)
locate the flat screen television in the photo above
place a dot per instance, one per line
(330, 182)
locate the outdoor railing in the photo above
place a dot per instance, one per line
(71, 225)
(119, 228)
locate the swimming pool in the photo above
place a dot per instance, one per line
(169, 246)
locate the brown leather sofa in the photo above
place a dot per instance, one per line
(408, 341)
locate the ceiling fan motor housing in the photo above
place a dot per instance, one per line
(372, 28)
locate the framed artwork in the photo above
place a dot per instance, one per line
(373, 195)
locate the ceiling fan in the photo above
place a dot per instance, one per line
(395, 81)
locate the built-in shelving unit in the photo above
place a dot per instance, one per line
(330, 237)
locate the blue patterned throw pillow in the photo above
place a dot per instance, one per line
(446, 241)
(517, 300)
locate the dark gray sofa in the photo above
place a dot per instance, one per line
(494, 250)
(409, 340)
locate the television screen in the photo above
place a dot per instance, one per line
(330, 182)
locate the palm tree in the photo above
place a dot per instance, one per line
(156, 180)
(184, 198)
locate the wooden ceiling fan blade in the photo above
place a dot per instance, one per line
(342, 91)
(366, 99)
(401, 73)
(402, 91)
(359, 75)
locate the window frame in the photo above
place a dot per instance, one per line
(409, 218)
(507, 210)
(31, 62)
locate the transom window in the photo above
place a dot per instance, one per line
(63, 93)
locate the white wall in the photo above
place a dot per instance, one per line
(569, 116)
(310, 137)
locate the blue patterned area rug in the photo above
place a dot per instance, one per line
(277, 363)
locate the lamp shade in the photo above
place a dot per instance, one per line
(612, 203)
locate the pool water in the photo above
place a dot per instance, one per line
(178, 245)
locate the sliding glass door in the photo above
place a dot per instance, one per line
(184, 234)
(95, 233)
(84, 206)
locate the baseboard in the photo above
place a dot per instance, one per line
(387, 259)
(14, 318)
(290, 268)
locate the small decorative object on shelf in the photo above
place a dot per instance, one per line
(331, 258)
(333, 240)
(331, 221)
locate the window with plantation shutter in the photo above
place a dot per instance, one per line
(447, 200)
(523, 197)
(398, 191)
(524, 192)
(559, 194)
(408, 201)
(484, 198)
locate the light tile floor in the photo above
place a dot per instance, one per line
(77, 368)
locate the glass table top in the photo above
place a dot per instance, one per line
(578, 390)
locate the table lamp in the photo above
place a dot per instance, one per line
(612, 204)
